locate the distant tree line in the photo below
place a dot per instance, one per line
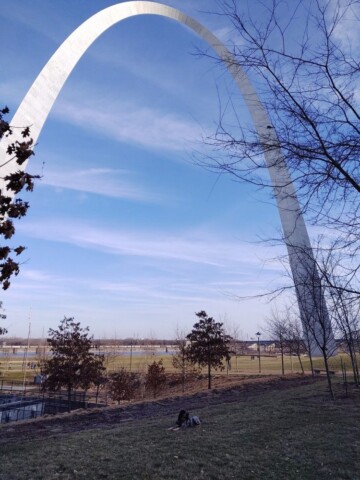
(75, 362)
(97, 342)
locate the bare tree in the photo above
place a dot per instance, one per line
(277, 327)
(308, 85)
(295, 339)
(286, 329)
(181, 360)
(236, 345)
(344, 307)
(307, 74)
(319, 325)
(346, 316)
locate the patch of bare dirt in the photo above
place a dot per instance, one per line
(225, 390)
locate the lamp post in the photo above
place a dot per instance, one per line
(131, 352)
(258, 335)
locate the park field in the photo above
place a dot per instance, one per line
(243, 365)
(274, 429)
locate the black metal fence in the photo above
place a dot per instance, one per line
(19, 401)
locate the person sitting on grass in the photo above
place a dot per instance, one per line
(187, 420)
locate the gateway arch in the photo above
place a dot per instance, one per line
(40, 98)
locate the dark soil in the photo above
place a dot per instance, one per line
(236, 389)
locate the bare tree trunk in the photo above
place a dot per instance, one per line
(353, 362)
(97, 393)
(328, 376)
(311, 364)
(301, 364)
(69, 399)
(209, 376)
(357, 373)
(282, 360)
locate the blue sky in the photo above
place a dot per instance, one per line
(124, 232)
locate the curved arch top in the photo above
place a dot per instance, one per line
(41, 96)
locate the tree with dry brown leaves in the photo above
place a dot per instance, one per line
(10, 209)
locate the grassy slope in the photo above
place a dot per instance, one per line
(293, 434)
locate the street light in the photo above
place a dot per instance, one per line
(258, 335)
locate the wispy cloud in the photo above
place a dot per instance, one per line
(40, 18)
(108, 182)
(159, 75)
(128, 122)
(196, 247)
(36, 275)
(12, 91)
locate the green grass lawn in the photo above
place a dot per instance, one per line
(284, 435)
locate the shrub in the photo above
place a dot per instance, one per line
(123, 385)
(156, 377)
